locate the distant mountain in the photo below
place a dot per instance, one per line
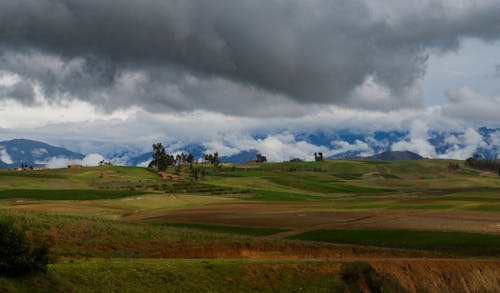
(241, 157)
(33, 153)
(140, 159)
(395, 156)
(335, 144)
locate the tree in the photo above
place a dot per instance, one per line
(213, 159)
(190, 159)
(318, 157)
(196, 172)
(261, 159)
(161, 160)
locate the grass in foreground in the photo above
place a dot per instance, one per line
(250, 231)
(453, 243)
(150, 275)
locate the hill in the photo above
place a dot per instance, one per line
(395, 156)
(31, 152)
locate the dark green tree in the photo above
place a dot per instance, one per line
(161, 160)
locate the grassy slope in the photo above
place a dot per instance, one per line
(150, 275)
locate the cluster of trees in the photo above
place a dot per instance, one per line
(162, 160)
(183, 158)
(260, 158)
(213, 160)
(318, 157)
(478, 162)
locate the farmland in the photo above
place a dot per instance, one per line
(265, 227)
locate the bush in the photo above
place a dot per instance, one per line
(19, 254)
(356, 273)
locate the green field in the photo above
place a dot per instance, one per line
(251, 227)
(66, 194)
(454, 243)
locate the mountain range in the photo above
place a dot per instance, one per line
(15, 152)
(339, 144)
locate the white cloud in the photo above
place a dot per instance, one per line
(276, 147)
(468, 104)
(340, 147)
(38, 152)
(62, 162)
(5, 157)
(144, 164)
(376, 96)
(465, 145)
(417, 142)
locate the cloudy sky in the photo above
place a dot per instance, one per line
(93, 74)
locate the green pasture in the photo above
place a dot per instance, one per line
(65, 194)
(452, 243)
(376, 184)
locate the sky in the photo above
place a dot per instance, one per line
(95, 74)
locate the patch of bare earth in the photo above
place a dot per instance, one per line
(442, 275)
(298, 217)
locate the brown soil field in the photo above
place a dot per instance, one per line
(300, 217)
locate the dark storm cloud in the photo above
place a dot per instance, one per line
(497, 70)
(183, 55)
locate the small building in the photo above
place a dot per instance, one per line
(74, 166)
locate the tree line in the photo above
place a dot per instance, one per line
(161, 161)
(477, 162)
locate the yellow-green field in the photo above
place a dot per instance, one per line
(255, 227)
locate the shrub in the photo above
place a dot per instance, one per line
(358, 272)
(20, 254)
